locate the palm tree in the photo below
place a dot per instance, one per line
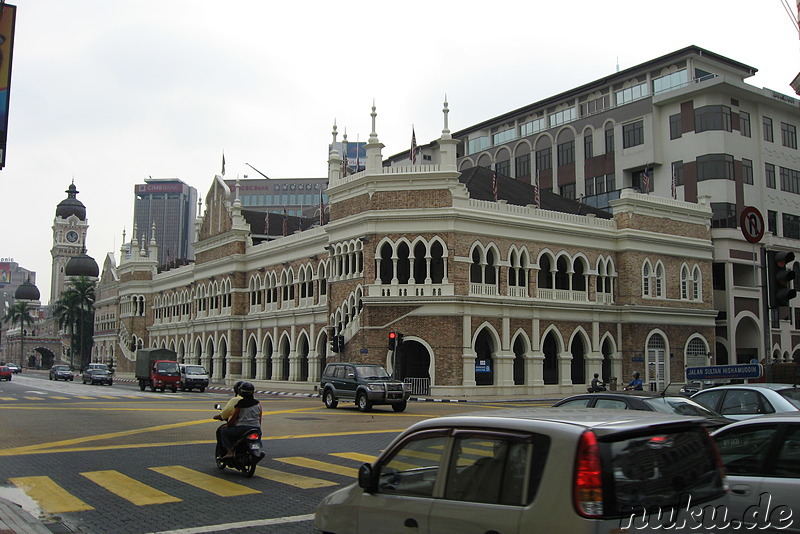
(19, 312)
(75, 309)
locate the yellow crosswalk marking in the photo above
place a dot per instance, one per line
(50, 496)
(298, 481)
(128, 488)
(33, 398)
(82, 397)
(319, 466)
(7, 398)
(357, 456)
(60, 398)
(215, 485)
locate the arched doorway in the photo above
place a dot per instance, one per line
(484, 367)
(249, 366)
(520, 348)
(578, 364)
(656, 372)
(550, 363)
(302, 353)
(606, 365)
(413, 361)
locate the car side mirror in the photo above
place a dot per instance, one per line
(351, 375)
(217, 406)
(366, 478)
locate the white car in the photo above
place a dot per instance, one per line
(742, 401)
(762, 464)
(533, 470)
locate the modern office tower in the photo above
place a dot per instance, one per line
(169, 206)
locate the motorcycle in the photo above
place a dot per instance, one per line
(247, 452)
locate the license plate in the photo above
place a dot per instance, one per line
(254, 446)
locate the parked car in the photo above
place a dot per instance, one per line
(5, 373)
(623, 401)
(365, 384)
(741, 401)
(61, 372)
(761, 456)
(16, 369)
(193, 376)
(99, 366)
(691, 388)
(97, 376)
(526, 469)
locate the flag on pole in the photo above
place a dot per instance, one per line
(674, 185)
(536, 199)
(223, 164)
(285, 222)
(266, 224)
(494, 185)
(358, 155)
(580, 204)
(413, 153)
(645, 182)
(322, 209)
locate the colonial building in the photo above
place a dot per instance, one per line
(497, 287)
(683, 126)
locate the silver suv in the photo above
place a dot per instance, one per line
(365, 383)
(536, 470)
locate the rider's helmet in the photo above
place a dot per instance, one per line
(246, 389)
(636, 374)
(596, 375)
(236, 387)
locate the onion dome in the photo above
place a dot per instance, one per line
(82, 265)
(26, 291)
(71, 205)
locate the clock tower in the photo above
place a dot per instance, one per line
(69, 238)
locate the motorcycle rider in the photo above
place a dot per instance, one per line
(246, 417)
(229, 408)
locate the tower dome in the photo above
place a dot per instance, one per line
(71, 205)
(26, 291)
(82, 265)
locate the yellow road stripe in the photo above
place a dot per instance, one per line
(34, 398)
(319, 466)
(83, 397)
(50, 497)
(217, 486)
(7, 398)
(357, 456)
(423, 455)
(298, 481)
(60, 398)
(128, 488)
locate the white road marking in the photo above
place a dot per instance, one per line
(241, 524)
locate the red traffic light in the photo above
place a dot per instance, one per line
(783, 257)
(392, 335)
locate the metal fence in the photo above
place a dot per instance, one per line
(419, 386)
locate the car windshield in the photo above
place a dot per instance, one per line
(61, 368)
(371, 371)
(167, 367)
(680, 406)
(792, 395)
(195, 370)
(97, 371)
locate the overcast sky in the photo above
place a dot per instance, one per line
(108, 93)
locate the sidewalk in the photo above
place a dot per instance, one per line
(15, 520)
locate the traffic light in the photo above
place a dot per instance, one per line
(337, 343)
(395, 340)
(780, 278)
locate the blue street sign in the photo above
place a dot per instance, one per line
(483, 366)
(747, 370)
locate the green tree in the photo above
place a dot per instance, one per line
(75, 310)
(19, 313)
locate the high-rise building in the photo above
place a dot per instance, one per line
(170, 205)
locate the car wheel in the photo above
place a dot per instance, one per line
(141, 386)
(202, 390)
(400, 406)
(50, 377)
(363, 402)
(329, 400)
(152, 388)
(71, 378)
(174, 389)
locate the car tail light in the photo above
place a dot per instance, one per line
(588, 488)
(252, 436)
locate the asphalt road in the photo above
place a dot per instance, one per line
(100, 459)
